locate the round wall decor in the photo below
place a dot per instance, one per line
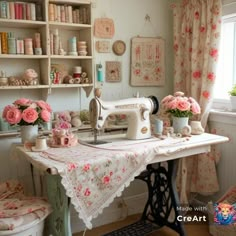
(119, 47)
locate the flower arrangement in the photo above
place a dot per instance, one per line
(27, 112)
(180, 106)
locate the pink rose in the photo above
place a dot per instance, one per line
(183, 105)
(167, 99)
(206, 94)
(22, 102)
(214, 53)
(172, 105)
(45, 115)
(86, 167)
(197, 74)
(44, 105)
(87, 192)
(13, 115)
(5, 110)
(30, 115)
(178, 94)
(195, 108)
(106, 179)
(63, 125)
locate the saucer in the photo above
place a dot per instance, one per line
(34, 149)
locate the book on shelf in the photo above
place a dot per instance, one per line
(20, 10)
(68, 14)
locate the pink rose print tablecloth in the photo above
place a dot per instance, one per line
(94, 176)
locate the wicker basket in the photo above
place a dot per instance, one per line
(33, 229)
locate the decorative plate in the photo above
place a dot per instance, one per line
(119, 47)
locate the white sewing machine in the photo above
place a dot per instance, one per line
(136, 109)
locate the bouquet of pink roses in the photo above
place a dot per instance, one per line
(27, 112)
(180, 106)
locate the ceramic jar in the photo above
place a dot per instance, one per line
(196, 127)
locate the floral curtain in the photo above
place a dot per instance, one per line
(197, 25)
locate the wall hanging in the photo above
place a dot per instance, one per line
(103, 46)
(147, 61)
(113, 71)
(119, 47)
(104, 28)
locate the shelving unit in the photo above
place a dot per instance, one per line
(15, 65)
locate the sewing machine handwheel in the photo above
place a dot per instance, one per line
(155, 104)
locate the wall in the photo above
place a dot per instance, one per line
(129, 19)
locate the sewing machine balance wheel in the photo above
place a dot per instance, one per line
(155, 104)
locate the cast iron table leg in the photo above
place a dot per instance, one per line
(161, 207)
(58, 222)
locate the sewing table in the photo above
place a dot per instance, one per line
(91, 177)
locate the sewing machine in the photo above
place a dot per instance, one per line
(136, 109)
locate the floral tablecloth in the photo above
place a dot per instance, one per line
(94, 176)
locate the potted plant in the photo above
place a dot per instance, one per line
(232, 94)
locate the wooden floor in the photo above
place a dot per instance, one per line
(192, 229)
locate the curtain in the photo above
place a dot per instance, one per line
(197, 26)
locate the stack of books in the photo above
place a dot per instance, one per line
(21, 11)
(68, 14)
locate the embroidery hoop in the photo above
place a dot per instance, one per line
(119, 47)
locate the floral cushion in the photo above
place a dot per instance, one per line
(16, 209)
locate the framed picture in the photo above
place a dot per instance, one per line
(104, 28)
(113, 71)
(147, 61)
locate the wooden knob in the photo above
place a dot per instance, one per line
(98, 92)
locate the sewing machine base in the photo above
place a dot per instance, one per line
(161, 207)
(97, 142)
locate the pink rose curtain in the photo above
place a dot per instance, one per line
(197, 25)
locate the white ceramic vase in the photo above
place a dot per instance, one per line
(28, 133)
(179, 123)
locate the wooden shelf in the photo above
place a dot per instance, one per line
(68, 26)
(29, 24)
(24, 87)
(19, 56)
(70, 57)
(70, 85)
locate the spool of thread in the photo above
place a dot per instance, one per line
(37, 41)
(41, 143)
(72, 46)
(56, 40)
(11, 43)
(20, 46)
(99, 73)
(28, 46)
(77, 72)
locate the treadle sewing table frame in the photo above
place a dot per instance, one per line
(162, 198)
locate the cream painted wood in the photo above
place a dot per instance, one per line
(42, 63)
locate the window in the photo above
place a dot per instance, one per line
(226, 69)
